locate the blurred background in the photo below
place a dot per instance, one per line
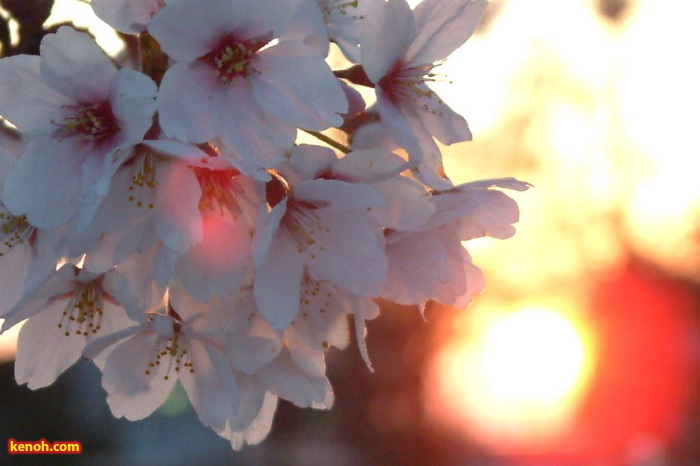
(584, 349)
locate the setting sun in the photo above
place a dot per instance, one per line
(516, 379)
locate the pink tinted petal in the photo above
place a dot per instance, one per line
(295, 85)
(220, 263)
(179, 223)
(394, 118)
(388, 31)
(184, 102)
(338, 195)
(45, 184)
(438, 119)
(474, 280)
(408, 204)
(364, 309)
(26, 100)
(277, 282)
(418, 264)
(127, 16)
(493, 216)
(505, 183)
(353, 253)
(73, 64)
(442, 27)
(368, 165)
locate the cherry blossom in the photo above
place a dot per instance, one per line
(400, 62)
(171, 224)
(70, 309)
(82, 116)
(238, 78)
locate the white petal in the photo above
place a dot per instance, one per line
(185, 97)
(211, 388)
(133, 103)
(268, 224)
(41, 296)
(442, 27)
(295, 85)
(130, 392)
(45, 184)
(388, 31)
(277, 282)
(186, 30)
(43, 349)
(255, 348)
(285, 380)
(257, 429)
(257, 136)
(126, 16)
(26, 100)
(73, 64)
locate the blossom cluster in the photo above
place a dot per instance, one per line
(164, 220)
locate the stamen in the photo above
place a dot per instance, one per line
(233, 58)
(92, 123)
(217, 190)
(408, 83)
(344, 6)
(143, 178)
(305, 226)
(174, 351)
(16, 230)
(84, 312)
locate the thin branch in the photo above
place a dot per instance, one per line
(331, 142)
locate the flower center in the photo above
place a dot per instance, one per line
(84, 310)
(405, 83)
(15, 231)
(92, 123)
(345, 8)
(305, 227)
(217, 190)
(175, 351)
(233, 58)
(143, 178)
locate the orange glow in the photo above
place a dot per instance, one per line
(516, 379)
(8, 342)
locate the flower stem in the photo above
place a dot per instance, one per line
(331, 142)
